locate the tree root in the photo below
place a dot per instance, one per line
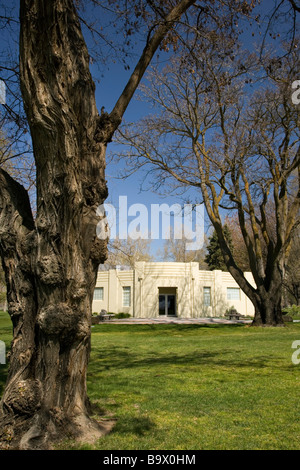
(44, 432)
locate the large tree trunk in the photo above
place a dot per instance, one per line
(266, 295)
(51, 265)
(268, 313)
(267, 299)
(51, 261)
(268, 307)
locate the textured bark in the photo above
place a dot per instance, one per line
(51, 266)
(266, 296)
(268, 312)
(268, 300)
(16, 240)
(51, 262)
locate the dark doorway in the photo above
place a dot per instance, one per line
(167, 303)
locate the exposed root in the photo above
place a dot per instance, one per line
(42, 432)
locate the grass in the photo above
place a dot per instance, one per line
(190, 387)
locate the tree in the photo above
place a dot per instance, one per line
(127, 252)
(240, 154)
(291, 281)
(176, 250)
(51, 260)
(214, 257)
(239, 248)
(2, 289)
(291, 277)
(15, 149)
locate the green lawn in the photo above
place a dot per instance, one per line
(190, 387)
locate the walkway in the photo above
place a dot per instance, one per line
(187, 321)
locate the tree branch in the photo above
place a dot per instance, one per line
(294, 6)
(16, 247)
(145, 59)
(14, 200)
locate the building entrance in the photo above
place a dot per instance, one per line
(167, 303)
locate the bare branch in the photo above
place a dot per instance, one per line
(147, 55)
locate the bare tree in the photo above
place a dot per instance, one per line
(239, 247)
(240, 154)
(282, 21)
(128, 252)
(177, 250)
(291, 278)
(291, 282)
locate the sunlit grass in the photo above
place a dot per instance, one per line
(190, 387)
(195, 387)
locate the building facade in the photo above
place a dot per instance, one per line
(152, 290)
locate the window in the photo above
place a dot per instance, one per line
(126, 296)
(98, 293)
(233, 293)
(207, 296)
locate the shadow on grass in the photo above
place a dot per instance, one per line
(138, 425)
(134, 425)
(157, 329)
(120, 358)
(229, 353)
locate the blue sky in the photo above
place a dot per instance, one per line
(108, 91)
(109, 85)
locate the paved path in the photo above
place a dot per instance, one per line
(169, 321)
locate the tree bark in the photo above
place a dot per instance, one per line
(266, 295)
(51, 262)
(53, 271)
(268, 312)
(268, 299)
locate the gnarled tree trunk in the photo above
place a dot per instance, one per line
(267, 300)
(51, 262)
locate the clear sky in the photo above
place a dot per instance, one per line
(108, 91)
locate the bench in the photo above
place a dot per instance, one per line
(106, 316)
(101, 317)
(233, 315)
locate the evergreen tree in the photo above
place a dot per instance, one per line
(214, 257)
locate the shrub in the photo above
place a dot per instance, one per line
(293, 311)
(228, 310)
(122, 315)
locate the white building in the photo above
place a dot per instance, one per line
(151, 290)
